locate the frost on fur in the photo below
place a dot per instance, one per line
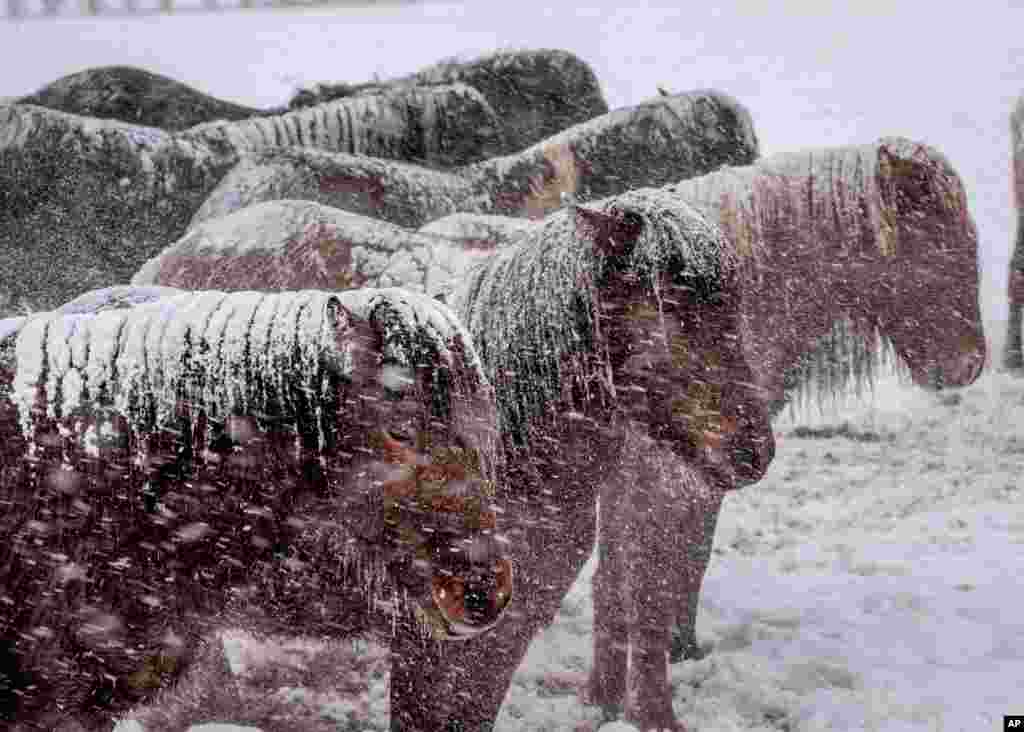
(210, 455)
(653, 143)
(286, 244)
(100, 196)
(842, 246)
(479, 231)
(535, 93)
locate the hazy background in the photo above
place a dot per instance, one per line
(813, 73)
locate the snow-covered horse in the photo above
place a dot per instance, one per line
(652, 143)
(100, 195)
(307, 462)
(845, 251)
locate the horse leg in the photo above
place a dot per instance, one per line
(698, 548)
(670, 542)
(607, 684)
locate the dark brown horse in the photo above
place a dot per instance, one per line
(289, 461)
(611, 334)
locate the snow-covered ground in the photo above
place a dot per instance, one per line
(871, 580)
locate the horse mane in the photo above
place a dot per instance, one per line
(417, 330)
(267, 354)
(279, 357)
(849, 357)
(532, 307)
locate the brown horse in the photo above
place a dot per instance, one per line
(294, 460)
(611, 335)
(847, 250)
(878, 235)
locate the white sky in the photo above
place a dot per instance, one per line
(813, 73)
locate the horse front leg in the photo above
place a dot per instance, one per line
(607, 684)
(667, 556)
(698, 547)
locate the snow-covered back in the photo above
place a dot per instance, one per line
(481, 229)
(221, 353)
(653, 143)
(837, 190)
(289, 244)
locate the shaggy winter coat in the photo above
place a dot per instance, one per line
(100, 196)
(292, 462)
(652, 143)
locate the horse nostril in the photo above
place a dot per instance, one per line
(478, 601)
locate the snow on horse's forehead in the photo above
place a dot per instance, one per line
(533, 307)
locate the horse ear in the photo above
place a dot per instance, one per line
(614, 234)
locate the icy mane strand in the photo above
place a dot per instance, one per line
(248, 353)
(532, 308)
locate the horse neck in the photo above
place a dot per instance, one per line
(788, 307)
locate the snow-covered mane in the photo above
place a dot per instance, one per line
(274, 356)
(531, 307)
(248, 353)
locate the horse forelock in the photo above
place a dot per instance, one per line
(532, 308)
(675, 237)
(929, 185)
